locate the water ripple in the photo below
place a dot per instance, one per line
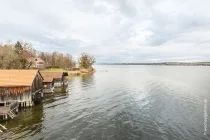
(135, 102)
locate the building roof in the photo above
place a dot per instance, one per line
(48, 79)
(54, 75)
(34, 59)
(16, 78)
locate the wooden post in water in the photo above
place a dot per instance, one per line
(16, 110)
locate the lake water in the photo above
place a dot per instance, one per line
(122, 103)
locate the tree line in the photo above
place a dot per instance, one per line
(16, 56)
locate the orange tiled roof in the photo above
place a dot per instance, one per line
(35, 59)
(14, 78)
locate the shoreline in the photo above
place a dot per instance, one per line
(163, 64)
(71, 72)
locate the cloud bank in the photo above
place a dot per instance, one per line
(112, 30)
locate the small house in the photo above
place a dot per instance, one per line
(36, 63)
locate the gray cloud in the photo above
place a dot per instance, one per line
(112, 30)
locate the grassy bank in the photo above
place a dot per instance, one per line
(54, 70)
(76, 72)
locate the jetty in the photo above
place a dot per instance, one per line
(9, 109)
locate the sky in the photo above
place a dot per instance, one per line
(111, 30)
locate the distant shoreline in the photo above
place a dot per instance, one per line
(164, 64)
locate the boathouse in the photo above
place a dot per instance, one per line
(22, 86)
(55, 81)
(58, 77)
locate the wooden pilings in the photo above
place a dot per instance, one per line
(24, 104)
(5, 117)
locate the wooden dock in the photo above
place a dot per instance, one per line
(9, 109)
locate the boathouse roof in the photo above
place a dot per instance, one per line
(17, 78)
(54, 75)
(48, 80)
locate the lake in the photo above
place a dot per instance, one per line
(122, 103)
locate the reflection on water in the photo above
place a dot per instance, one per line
(28, 123)
(127, 102)
(87, 81)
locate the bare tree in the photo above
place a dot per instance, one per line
(8, 57)
(86, 60)
(16, 56)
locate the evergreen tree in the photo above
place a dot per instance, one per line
(18, 48)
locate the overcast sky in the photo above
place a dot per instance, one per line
(112, 30)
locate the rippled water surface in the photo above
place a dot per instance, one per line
(122, 103)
